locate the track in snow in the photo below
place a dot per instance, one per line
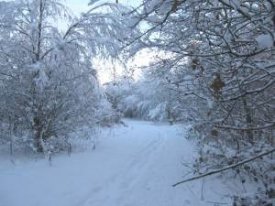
(132, 166)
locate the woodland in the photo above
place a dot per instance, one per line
(210, 65)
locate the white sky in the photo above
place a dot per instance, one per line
(78, 6)
(105, 72)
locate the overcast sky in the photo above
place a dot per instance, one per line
(78, 6)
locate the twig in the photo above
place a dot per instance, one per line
(218, 203)
(225, 168)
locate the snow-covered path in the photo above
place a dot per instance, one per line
(132, 166)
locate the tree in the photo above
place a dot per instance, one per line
(49, 85)
(224, 51)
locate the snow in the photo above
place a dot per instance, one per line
(131, 166)
(235, 3)
(151, 5)
(265, 41)
(210, 103)
(161, 8)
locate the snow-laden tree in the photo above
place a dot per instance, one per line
(49, 86)
(154, 97)
(224, 50)
(150, 98)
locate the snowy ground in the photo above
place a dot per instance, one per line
(131, 166)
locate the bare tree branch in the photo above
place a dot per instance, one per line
(225, 168)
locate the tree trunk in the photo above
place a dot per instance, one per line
(248, 118)
(38, 135)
